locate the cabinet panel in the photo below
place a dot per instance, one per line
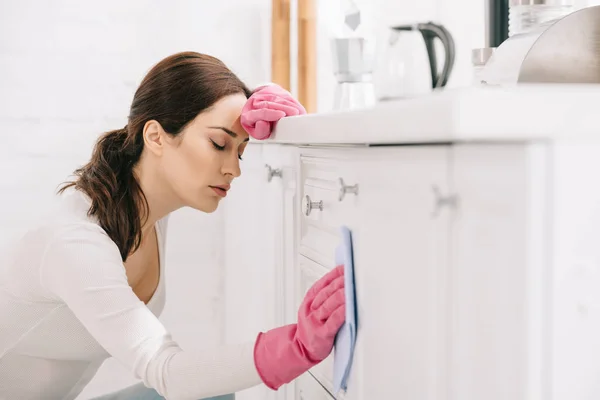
(281, 162)
(401, 255)
(257, 253)
(500, 272)
(244, 218)
(280, 167)
(575, 281)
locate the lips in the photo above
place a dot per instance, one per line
(221, 190)
(222, 187)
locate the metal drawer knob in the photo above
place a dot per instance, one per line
(271, 172)
(309, 205)
(353, 189)
(441, 201)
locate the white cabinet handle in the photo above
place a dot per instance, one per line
(346, 189)
(442, 201)
(271, 172)
(308, 205)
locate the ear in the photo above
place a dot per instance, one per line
(154, 136)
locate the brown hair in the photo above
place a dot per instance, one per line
(173, 93)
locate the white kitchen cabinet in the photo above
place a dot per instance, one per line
(258, 248)
(476, 277)
(475, 234)
(399, 218)
(476, 244)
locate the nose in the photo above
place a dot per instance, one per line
(232, 166)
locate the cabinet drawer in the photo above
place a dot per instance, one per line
(308, 273)
(322, 177)
(307, 388)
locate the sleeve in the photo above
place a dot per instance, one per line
(82, 267)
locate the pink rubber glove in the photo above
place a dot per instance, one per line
(282, 354)
(267, 105)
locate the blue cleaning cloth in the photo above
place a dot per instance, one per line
(346, 337)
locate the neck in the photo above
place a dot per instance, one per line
(161, 201)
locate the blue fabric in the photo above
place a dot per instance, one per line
(141, 392)
(345, 339)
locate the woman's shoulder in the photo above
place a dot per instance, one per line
(63, 233)
(66, 221)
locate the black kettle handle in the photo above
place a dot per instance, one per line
(430, 31)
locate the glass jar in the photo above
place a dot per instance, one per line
(525, 15)
(479, 57)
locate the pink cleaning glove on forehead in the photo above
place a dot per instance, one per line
(267, 105)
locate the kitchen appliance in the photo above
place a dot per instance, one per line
(561, 51)
(411, 66)
(353, 59)
(353, 56)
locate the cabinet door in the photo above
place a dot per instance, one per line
(280, 168)
(499, 272)
(280, 164)
(401, 253)
(248, 257)
(246, 254)
(258, 235)
(575, 279)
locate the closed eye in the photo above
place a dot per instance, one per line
(222, 148)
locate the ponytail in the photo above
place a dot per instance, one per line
(118, 202)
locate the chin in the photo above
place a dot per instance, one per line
(210, 210)
(206, 206)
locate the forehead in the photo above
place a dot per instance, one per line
(226, 113)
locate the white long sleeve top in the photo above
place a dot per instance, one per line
(66, 306)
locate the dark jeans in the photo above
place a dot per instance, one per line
(141, 392)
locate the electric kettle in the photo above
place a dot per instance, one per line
(410, 65)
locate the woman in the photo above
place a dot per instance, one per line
(86, 283)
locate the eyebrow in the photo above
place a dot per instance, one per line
(228, 131)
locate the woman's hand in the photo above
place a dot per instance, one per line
(267, 105)
(284, 353)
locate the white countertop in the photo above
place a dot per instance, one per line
(518, 113)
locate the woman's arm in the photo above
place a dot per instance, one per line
(82, 267)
